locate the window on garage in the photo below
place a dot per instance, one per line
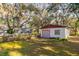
(57, 32)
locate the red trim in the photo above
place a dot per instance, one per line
(53, 26)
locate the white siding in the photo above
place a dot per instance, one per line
(64, 33)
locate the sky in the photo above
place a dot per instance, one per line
(39, 1)
(42, 5)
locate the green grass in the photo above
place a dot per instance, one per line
(39, 48)
(8, 48)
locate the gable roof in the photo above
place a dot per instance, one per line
(53, 26)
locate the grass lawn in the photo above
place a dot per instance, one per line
(39, 48)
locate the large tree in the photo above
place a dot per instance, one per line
(74, 8)
(13, 14)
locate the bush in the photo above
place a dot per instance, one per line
(24, 37)
(78, 33)
(59, 39)
(1, 39)
(63, 39)
(10, 31)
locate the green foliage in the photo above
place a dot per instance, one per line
(10, 31)
(74, 7)
(40, 17)
(34, 32)
(31, 8)
(23, 7)
(4, 53)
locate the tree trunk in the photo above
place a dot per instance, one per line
(76, 28)
(8, 23)
(76, 24)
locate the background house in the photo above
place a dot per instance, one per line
(54, 31)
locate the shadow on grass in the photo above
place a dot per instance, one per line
(42, 48)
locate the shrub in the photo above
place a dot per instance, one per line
(63, 39)
(10, 31)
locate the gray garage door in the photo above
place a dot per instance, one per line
(46, 33)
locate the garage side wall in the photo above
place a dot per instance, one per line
(62, 32)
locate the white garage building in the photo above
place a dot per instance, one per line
(54, 31)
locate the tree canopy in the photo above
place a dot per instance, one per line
(16, 14)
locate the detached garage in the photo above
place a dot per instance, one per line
(54, 31)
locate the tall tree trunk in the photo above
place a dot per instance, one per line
(8, 23)
(76, 24)
(76, 28)
(13, 23)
